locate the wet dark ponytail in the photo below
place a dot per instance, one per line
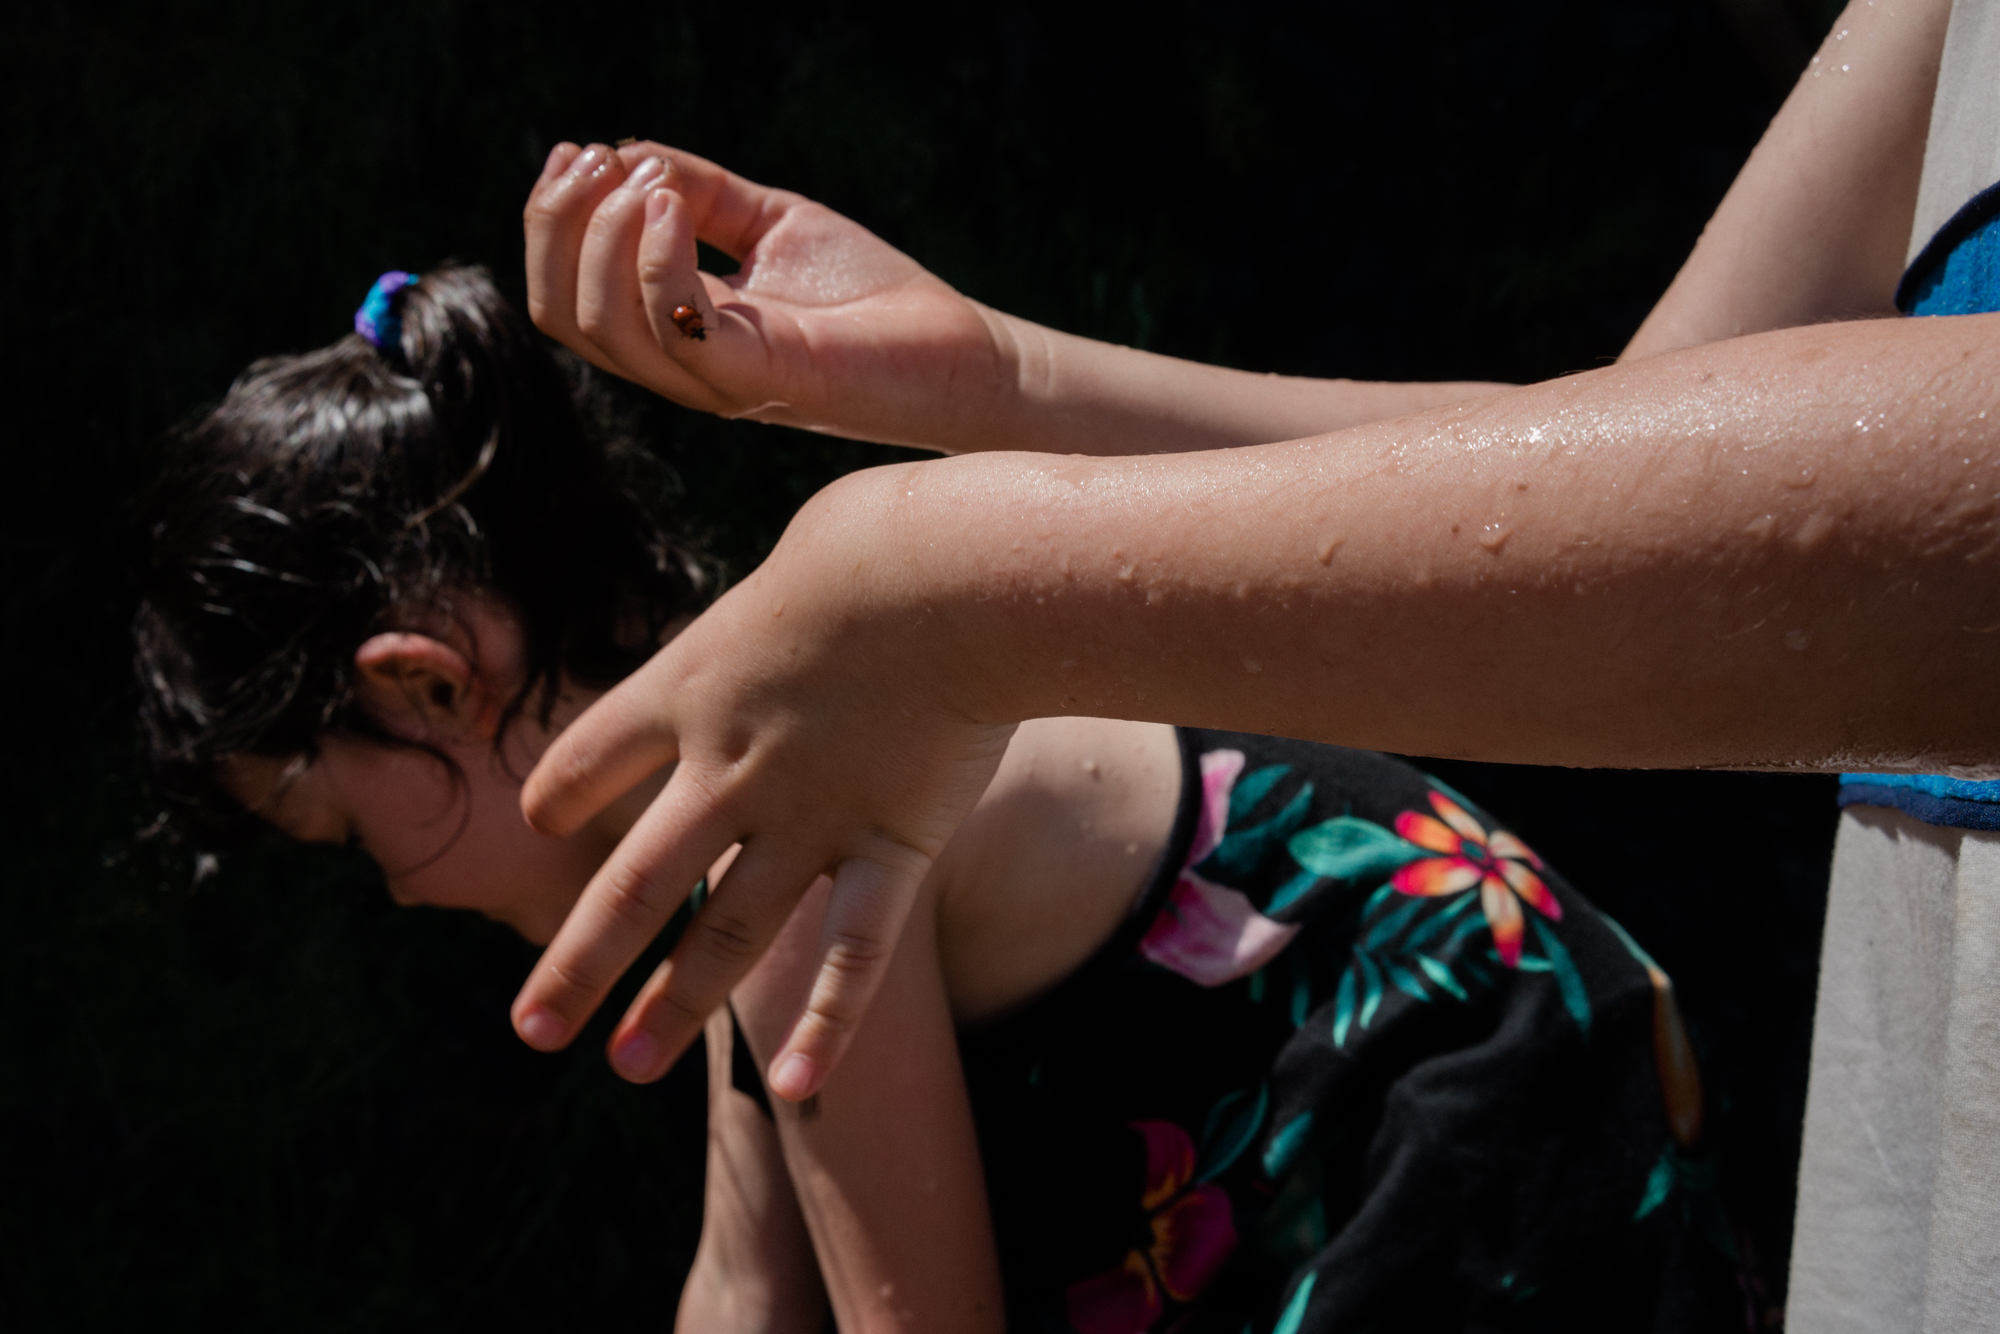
(355, 489)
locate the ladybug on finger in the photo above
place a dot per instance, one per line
(687, 318)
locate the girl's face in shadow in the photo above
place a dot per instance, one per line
(445, 839)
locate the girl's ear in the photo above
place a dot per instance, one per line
(415, 682)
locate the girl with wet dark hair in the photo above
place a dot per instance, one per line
(1188, 1029)
(438, 452)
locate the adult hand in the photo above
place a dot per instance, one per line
(803, 728)
(823, 326)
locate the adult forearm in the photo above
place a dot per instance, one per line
(1772, 551)
(1781, 550)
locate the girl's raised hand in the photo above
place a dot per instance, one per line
(802, 728)
(823, 326)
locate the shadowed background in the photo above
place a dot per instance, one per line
(254, 1095)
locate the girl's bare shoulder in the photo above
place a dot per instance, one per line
(1053, 857)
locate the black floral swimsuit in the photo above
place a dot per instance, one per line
(1358, 1060)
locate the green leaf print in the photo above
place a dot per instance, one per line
(1349, 848)
(1441, 975)
(1371, 977)
(1659, 1185)
(1568, 980)
(1430, 926)
(1301, 992)
(1385, 930)
(1343, 1008)
(1232, 1127)
(1250, 790)
(1291, 892)
(1295, 1309)
(1405, 980)
(1242, 851)
(1632, 946)
(1376, 900)
(1468, 925)
(1285, 1145)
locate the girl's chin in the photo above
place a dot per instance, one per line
(538, 935)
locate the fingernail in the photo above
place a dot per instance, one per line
(792, 1078)
(558, 159)
(656, 206)
(591, 161)
(635, 1056)
(540, 1029)
(645, 172)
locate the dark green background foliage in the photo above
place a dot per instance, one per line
(269, 1101)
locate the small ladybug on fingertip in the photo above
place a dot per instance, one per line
(688, 320)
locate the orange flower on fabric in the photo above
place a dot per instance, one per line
(1465, 855)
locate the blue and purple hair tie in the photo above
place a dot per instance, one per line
(380, 320)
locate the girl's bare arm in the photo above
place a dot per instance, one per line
(1816, 226)
(884, 1159)
(827, 327)
(754, 1271)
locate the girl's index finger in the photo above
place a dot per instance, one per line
(558, 210)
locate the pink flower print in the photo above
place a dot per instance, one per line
(1219, 771)
(1465, 854)
(1190, 1233)
(1210, 933)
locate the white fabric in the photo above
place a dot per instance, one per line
(1899, 1181)
(1962, 156)
(1899, 1185)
